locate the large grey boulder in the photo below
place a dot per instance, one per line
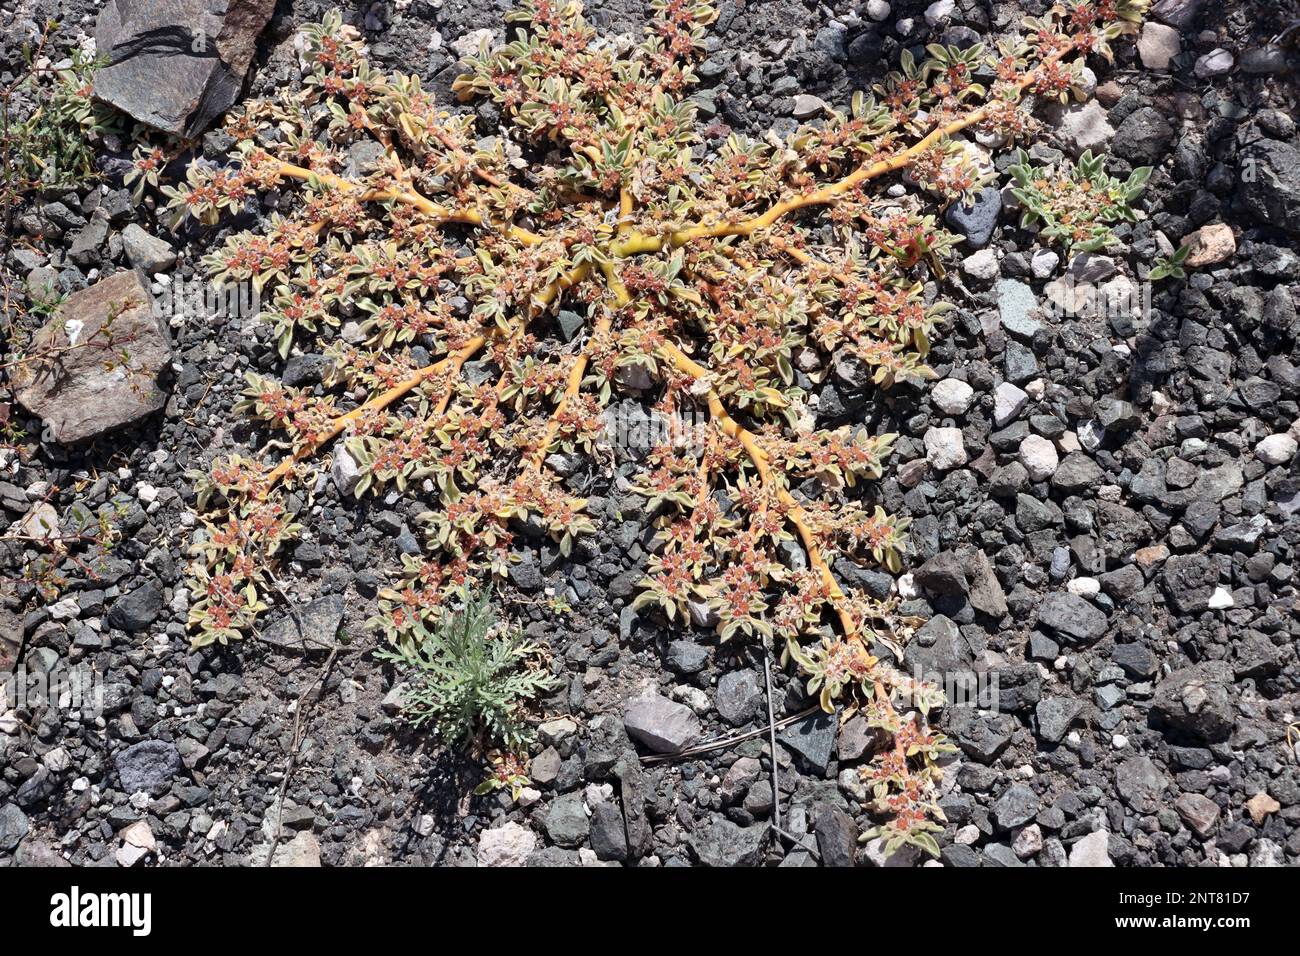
(176, 64)
(84, 379)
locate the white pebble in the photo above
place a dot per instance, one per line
(936, 13)
(952, 396)
(1044, 264)
(944, 448)
(1220, 599)
(1009, 400)
(1039, 457)
(1084, 587)
(1276, 449)
(981, 265)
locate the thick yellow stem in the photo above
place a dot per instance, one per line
(574, 382)
(794, 511)
(636, 243)
(407, 197)
(451, 364)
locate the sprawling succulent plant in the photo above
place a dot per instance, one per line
(708, 277)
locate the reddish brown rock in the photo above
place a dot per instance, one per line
(96, 365)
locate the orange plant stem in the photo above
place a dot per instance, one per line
(452, 363)
(794, 511)
(408, 197)
(571, 388)
(635, 243)
(573, 384)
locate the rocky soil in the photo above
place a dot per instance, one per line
(1104, 501)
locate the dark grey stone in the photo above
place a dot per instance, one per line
(739, 697)
(977, 220)
(1140, 783)
(176, 64)
(608, 832)
(721, 843)
(686, 657)
(837, 835)
(566, 821)
(1077, 472)
(1054, 717)
(303, 370)
(138, 609)
(938, 649)
(1269, 188)
(661, 724)
(812, 738)
(985, 594)
(571, 323)
(1189, 581)
(1017, 805)
(1144, 136)
(13, 827)
(943, 574)
(149, 766)
(1197, 701)
(1072, 617)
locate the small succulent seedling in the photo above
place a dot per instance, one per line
(506, 770)
(1170, 266)
(1076, 203)
(711, 279)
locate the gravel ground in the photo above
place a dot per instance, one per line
(1104, 527)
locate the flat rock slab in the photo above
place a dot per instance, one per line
(95, 366)
(812, 738)
(1072, 617)
(661, 724)
(176, 64)
(319, 622)
(149, 766)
